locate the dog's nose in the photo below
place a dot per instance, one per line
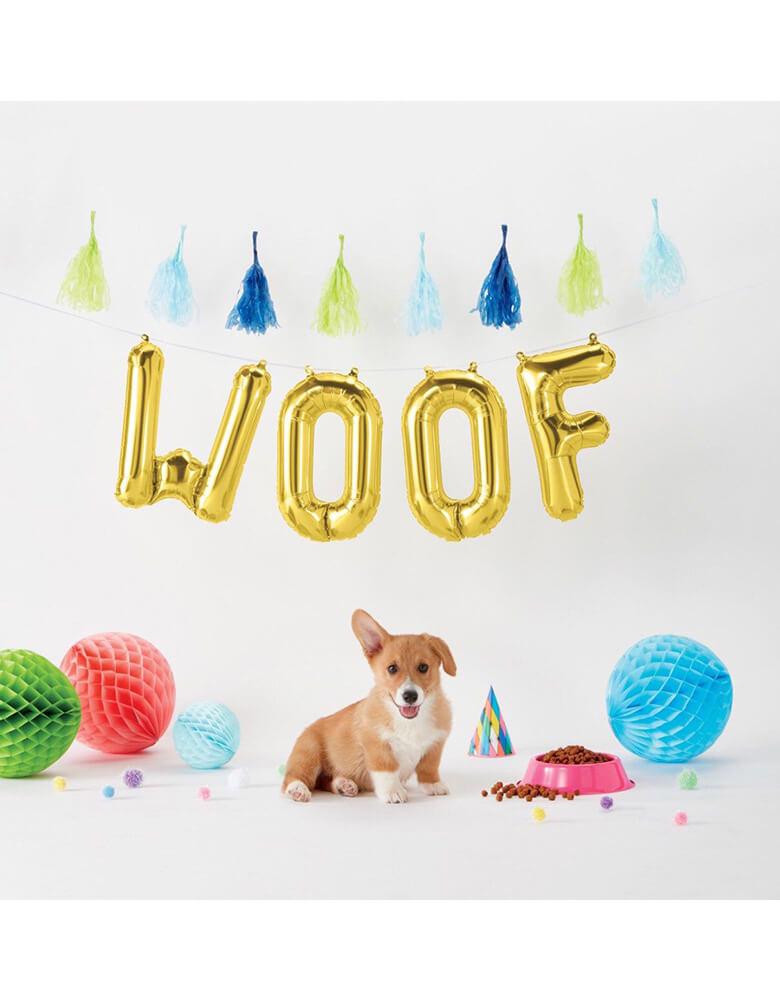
(410, 697)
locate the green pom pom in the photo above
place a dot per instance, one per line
(338, 309)
(687, 780)
(40, 713)
(84, 285)
(580, 287)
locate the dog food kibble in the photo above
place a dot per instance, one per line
(574, 755)
(528, 792)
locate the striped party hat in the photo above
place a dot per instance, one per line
(491, 738)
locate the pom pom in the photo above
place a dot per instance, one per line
(687, 780)
(254, 311)
(59, 784)
(423, 312)
(499, 297)
(108, 792)
(579, 287)
(606, 802)
(338, 309)
(238, 778)
(84, 285)
(281, 770)
(538, 814)
(133, 777)
(663, 271)
(204, 793)
(170, 293)
(681, 819)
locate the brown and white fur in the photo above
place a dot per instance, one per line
(379, 742)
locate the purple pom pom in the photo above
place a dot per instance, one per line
(133, 778)
(606, 802)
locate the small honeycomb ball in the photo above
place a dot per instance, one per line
(206, 735)
(39, 713)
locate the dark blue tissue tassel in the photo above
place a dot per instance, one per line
(499, 297)
(254, 311)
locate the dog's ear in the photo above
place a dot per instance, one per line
(370, 633)
(444, 652)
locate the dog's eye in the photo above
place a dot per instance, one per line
(392, 669)
(423, 668)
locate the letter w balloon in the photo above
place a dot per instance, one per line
(208, 490)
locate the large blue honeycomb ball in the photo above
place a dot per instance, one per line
(669, 698)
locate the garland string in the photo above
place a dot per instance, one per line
(374, 371)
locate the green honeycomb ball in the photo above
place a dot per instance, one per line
(40, 713)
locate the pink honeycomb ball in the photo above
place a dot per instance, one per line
(126, 690)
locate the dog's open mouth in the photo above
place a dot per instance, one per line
(409, 711)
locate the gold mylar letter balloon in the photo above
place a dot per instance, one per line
(208, 490)
(329, 392)
(558, 435)
(483, 509)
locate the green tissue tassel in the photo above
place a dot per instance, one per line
(580, 287)
(84, 285)
(337, 312)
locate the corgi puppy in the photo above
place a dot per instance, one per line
(379, 742)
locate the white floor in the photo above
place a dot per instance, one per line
(163, 841)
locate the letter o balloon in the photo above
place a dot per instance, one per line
(479, 513)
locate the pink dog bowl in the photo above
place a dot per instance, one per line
(587, 779)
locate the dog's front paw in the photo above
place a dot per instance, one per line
(345, 786)
(435, 788)
(297, 791)
(396, 794)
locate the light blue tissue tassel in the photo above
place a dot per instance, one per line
(663, 271)
(499, 297)
(254, 311)
(170, 293)
(424, 308)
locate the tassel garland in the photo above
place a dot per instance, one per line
(663, 271)
(254, 311)
(170, 293)
(337, 312)
(423, 312)
(84, 285)
(580, 287)
(499, 297)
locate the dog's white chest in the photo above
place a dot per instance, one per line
(410, 740)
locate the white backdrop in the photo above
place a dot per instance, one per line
(679, 531)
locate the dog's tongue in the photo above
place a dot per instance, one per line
(409, 711)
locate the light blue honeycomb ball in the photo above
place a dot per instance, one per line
(206, 735)
(669, 698)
